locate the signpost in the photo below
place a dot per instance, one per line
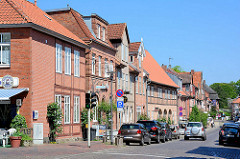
(120, 105)
(119, 93)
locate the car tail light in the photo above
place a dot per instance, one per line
(185, 129)
(119, 131)
(165, 131)
(222, 132)
(139, 132)
(175, 131)
(154, 128)
(202, 129)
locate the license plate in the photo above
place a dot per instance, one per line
(128, 137)
(230, 135)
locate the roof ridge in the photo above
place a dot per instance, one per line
(19, 10)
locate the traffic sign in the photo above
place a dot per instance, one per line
(119, 93)
(180, 108)
(180, 114)
(120, 104)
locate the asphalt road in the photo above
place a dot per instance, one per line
(176, 149)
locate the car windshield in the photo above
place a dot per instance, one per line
(182, 126)
(130, 127)
(147, 124)
(231, 130)
(194, 125)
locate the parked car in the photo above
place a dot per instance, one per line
(195, 130)
(182, 126)
(154, 129)
(175, 131)
(134, 133)
(229, 133)
(167, 132)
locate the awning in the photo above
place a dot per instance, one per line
(6, 94)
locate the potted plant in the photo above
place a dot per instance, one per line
(15, 139)
(26, 140)
(18, 122)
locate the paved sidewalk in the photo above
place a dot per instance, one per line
(53, 150)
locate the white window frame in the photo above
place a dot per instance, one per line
(93, 64)
(67, 106)
(95, 113)
(103, 34)
(152, 91)
(76, 111)
(126, 82)
(140, 85)
(76, 63)
(131, 59)
(160, 92)
(99, 66)
(98, 31)
(67, 61)
(148, 90)
(119, 79)
(58, 58)
(106, 67)
(136, 81)
(123, 51)
(58, 100)
(5, 44)
(169, 94)
(166, 94)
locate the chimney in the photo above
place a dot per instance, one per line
(192, 72)
(35, 2)
(164, 67)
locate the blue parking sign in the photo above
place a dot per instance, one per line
(119, 104)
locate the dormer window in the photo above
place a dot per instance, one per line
(98, 31)
(103, 34)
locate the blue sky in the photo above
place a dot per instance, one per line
(203, 35)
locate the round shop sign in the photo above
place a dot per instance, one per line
(7, 82)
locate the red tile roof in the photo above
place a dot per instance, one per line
(156, 73)
(236, 100)
(115, 31)
(133, 47)
(183, 93)
(22, 11)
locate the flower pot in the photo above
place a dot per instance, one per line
(15, 141)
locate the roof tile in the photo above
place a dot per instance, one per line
(115, 31)
(133, 47)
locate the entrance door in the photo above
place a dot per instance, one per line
(6, 115)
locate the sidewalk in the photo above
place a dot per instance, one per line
(52, 150)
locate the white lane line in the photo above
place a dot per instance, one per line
(124, 154)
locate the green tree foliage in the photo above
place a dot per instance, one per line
(54, 116)
(18, 122)
(144, 116)
(162, 120)
(84, 116)
(178, 69)
(224, 91)
(197, 116)
(104, 110)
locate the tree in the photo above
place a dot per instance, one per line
(198, 116)
(178, 69)
(104, 110)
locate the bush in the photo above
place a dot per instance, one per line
(144, 116)
(18, 122)
(17, 133)
(25, 137)
(163, 120)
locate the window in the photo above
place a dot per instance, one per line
(160, 92)
(187, 87)
(131, 83)
(76, 117)
(99, 66)
(131, 58)
(140, 85)
(126, 53)
(106, 68)
(118, 78)
(169, 94)
(165, 93)
(67, 61)
(126, 80)
(95, 113)
(136, 80)
(139, 61)
(138, 112)
(58, 58)
(5, 49)
(152, 90)
(123, 81)
(103, 34)
(148, 90)
(122, 51)
(93, 64)
(98, 31)
(66, 109)
(143, 86)
(58, 100)
(76, 63)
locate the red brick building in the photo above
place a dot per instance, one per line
(47, 62)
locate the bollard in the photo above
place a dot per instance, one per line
(120, 141)
(116, 141)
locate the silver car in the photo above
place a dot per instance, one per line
(195, 130)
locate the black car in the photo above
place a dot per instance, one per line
(229, 133)
(154, 129)
(167, 132)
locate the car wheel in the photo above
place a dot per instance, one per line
(186, 138)
(164, 139)
(220, 142)
(142, 142)
(204, 138)
(158, 139)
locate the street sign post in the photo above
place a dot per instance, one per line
(119, 93)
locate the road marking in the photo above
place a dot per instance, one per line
(124, 154)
